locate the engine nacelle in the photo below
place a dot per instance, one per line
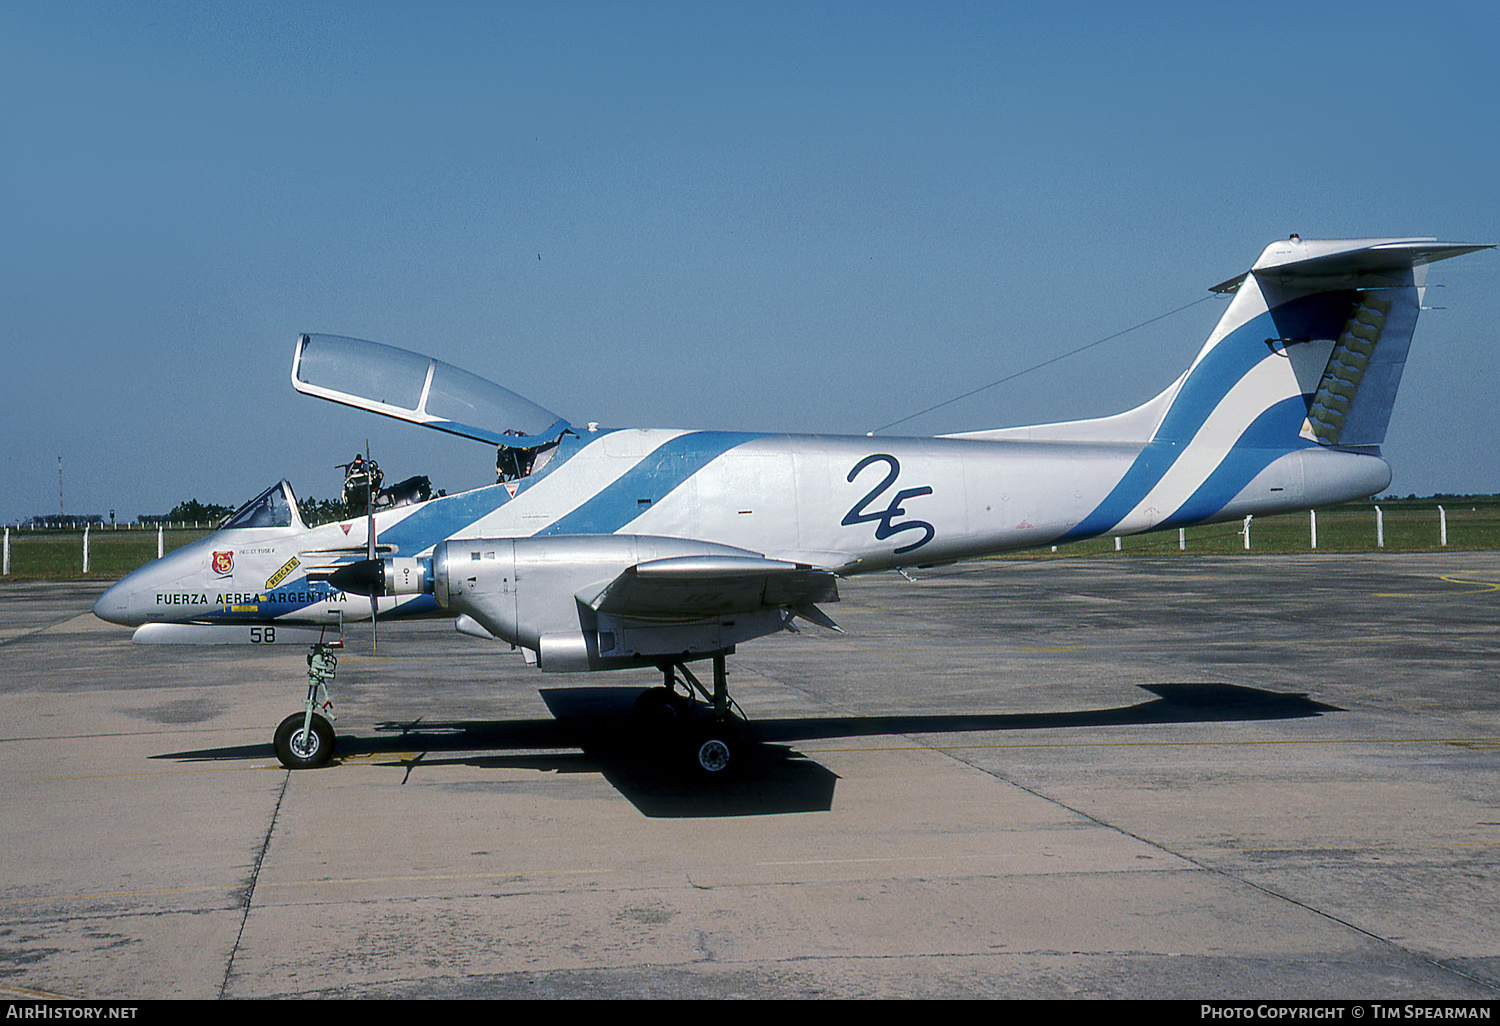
(407, 576)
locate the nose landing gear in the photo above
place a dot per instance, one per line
(306, 740)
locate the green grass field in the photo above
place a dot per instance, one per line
(58, 555)
(1411, 525)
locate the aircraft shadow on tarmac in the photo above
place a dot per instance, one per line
(590, 733)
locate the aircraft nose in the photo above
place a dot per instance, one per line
(114, 604)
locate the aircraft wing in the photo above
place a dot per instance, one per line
(420, 390)
(694, 587)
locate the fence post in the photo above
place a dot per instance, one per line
(6, 570)
(85, 548)
(1246, 532)
(1182, 539)
(1313, 515)
(1117, 543)
(1379, 528)
(1443, 526)
(158, 541)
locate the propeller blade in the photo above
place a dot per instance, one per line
(370, 519)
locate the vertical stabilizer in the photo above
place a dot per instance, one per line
(1324, 325)
(1287, 402)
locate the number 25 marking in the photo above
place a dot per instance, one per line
(884, 519)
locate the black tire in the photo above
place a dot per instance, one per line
(660, 712)
(296, 751)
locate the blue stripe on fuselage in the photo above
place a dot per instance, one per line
(1264, 442)
(653, 478)
(1205, 388)
(439, 519)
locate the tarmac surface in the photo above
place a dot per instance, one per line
(1188, 777)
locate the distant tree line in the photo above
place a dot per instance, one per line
(322, 511)
(64, 520)
(313, 511)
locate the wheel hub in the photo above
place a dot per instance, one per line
(713, 756)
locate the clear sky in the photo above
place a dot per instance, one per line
(762, 216)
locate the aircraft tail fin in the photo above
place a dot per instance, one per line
(1311, 348)
(1287, 403)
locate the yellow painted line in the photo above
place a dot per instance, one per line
(875, 651)
(415, 878)
(1482, 743)
(22, 992)
(427, 877)
(143, 773)
(1485, 587)
(945, 859)
(376, 758)
(121, 894)
(1488, 586)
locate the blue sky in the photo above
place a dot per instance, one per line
(801, 217)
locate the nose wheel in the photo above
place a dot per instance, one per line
(306, 740)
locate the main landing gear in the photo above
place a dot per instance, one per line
(716, 741)
(305, 740)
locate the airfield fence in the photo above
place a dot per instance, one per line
(1399, 526)
(1402, 525)
(59, 553)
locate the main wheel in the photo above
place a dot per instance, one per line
(661, 712)
(718, 751)
(297, 748)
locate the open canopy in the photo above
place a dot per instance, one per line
(416, 388)
(274, 507)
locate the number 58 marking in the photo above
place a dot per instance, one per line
(262, 635)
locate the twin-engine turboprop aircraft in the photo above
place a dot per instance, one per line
(602, 549)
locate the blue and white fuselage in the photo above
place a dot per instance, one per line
(627, 547)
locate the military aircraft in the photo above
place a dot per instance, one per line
(600, 549)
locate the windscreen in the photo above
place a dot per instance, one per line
(419, 389)
(274, 507)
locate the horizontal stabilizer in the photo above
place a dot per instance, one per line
(1322, 259)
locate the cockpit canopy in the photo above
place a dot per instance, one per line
(274, 507)
(418, 389)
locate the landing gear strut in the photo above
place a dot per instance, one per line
(305, 740)
(716, 744)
